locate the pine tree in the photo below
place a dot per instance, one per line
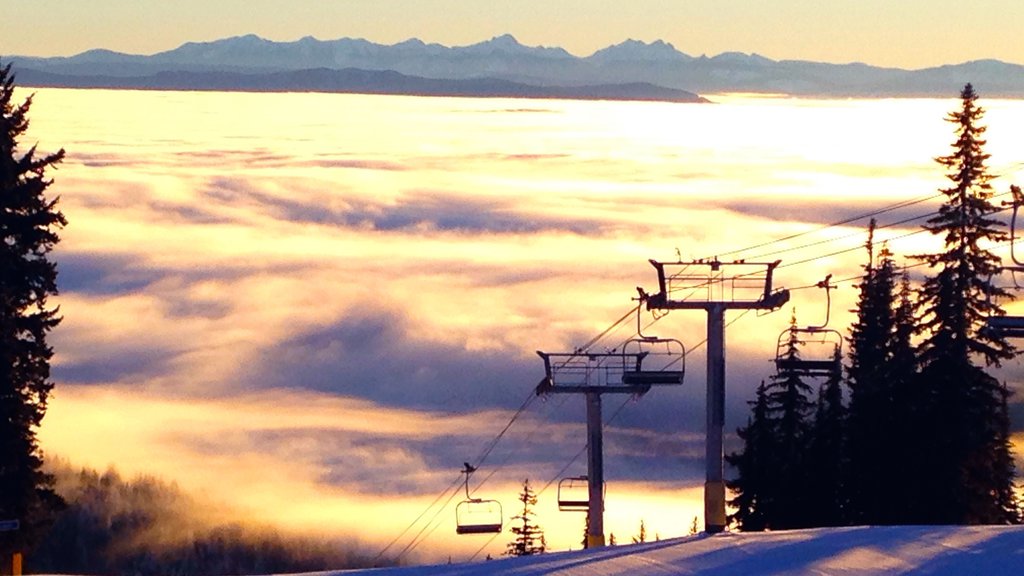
(529, 536)
(960, 429)
(826, 466)
(901, 496)
(790, 409)
(642, 536)
(753, 487)
(28, 224)
(877, 377)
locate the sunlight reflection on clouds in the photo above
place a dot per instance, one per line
(355, 285)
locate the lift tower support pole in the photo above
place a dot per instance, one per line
(595, 472)
(714, 475)
(714, 291)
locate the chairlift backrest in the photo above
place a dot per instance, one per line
(477, 516)
(574, 494)
(1006, 326)
(1018, 200)
(819, 352)
(661, 361)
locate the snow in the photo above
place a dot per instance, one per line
(932, 550)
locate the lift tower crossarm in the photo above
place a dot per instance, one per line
(750, 290)
(704, 285)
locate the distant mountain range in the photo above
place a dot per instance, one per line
(632, 70)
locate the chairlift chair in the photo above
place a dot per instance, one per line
(476, 515)
(821, 350)
(660, 361)
(574, 494)
(1011, 326)
(1006, 326)
(819, 347)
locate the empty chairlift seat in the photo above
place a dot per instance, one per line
(660, 361)
(574, 494)
(477, 516)
(1007, 326)
(814, 352)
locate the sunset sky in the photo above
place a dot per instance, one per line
(316, 316)
(906, 34)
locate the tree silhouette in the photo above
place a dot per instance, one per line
(753, 486)
(529, 536)
(28, 224)
(642, 536)
(880, 374)
(966, 474)
(790, 410)
(826, 500)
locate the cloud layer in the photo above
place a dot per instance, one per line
(286, 299)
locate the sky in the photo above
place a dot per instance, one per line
(906, 34)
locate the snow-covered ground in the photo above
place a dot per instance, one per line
(933, 550)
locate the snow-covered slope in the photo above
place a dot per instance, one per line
(933, 550)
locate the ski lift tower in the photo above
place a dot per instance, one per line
(634, 368)
(715, 287)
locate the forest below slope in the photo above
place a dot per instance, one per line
(146, 526)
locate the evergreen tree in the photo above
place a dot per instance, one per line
(752, 488)
(28, 224)
(790, 410)
(961, 433)
(880, 356)
(901, 496)
(642, 536)
(826, 467)
(529, 536)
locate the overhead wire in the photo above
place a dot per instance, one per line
(886, 209)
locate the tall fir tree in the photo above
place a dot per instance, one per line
(771, 488)
(961, 434)
(827, 462)
(790, 409)
(28, 228)
(529, 536)
(753, 491)
(876, 381)
(901, 495)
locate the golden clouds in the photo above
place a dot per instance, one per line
(315, 307)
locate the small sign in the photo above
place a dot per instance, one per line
(9, 525)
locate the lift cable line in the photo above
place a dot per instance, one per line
(851, 235)
(419, 536)
(835, 224)
(859, 247)
(843, 237)
(850, 220)
(454, 483)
